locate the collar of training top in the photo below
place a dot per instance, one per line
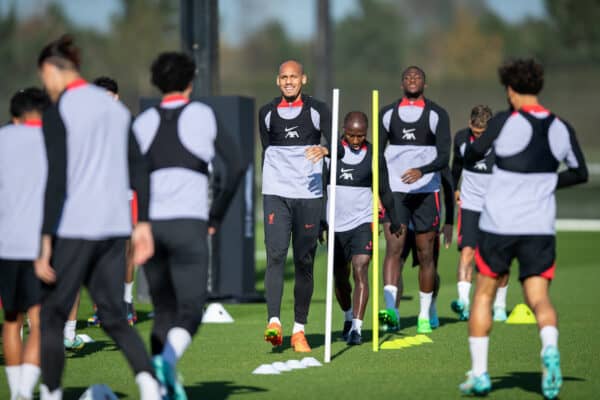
(362, 147)
(296, 103)
(416, 103)
(33, 122)
(536, 108)
(76, 83)
(174, 98)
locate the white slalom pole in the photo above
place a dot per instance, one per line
(331, 222)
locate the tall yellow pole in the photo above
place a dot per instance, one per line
(375, 259)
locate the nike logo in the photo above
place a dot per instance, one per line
(309, 226)
(347, 170)
(411, 130)
(290, 129)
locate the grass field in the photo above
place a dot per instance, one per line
(219, 363)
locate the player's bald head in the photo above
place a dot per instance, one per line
(356, 119)
(291, 64)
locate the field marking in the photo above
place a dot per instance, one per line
(578, 225)
(594, 168)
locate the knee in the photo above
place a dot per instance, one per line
(276, 257)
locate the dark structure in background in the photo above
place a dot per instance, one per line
(323, 52)
(232, 262)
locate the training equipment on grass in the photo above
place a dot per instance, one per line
(98, 392)
(331, 230)
(215, 313)
(405, 342)
(278, 367)
(521, 314)
(266, 369)
(375, 257)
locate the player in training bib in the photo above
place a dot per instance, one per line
(519, 211)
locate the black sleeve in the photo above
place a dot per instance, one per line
(577, 171)
(457, 159)
(476, 150)
(55, 138)
(262, 127)
(443, 142)
(139, 177)
(448, 189)
(231, 157)
(325, 127)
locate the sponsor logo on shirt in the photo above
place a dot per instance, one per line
(291, 133)
(347, 174)
(480, 165)
(409, 134)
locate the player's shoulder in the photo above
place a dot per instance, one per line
(388, 107)
(314, 103)
(433, 106)
(198, 109)
(269, 106)
(462, 135)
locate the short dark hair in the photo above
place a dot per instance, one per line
(173, 72)
(480, 115)
(107, 83)
(524, 76)
(359, 114)
(28, 100)
(62, 53)
(414, 67)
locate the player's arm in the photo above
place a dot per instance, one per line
(443, 141)
(315, 153)
(385, 191)
(139, 176)
(476, 150)
(577, 171)
(457, 161)
(448, 189)
(230, 154)
(263, 129)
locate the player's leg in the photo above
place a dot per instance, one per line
(105, 284)
(71, 339)
(11, 327)
(341, 277)
(434, 320)
(500, 300)
(392, 275)
(129, 277)
(306, 215)
(537, 256)
(468, 228)
(70, 260)
(361, 248)
(278, 228)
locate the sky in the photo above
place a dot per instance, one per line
(235, 20)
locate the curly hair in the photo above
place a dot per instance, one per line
(173, 72)
(524, 76)
(28, 100)
(107, 83)
(480, 115)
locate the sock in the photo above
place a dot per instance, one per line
(178, 339)
(69, 331)
(274, 320)
(128, 296)
(464, 291)
(479, 354)
(500, 300)
(348, 315)
(149, 388)
(357, 325)
(30, 374)
(425, 303)
(13, 375)
(46, 394)
(549, 336)
(298, 328)
(433, 308)
(389, 295)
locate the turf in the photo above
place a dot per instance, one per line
(219, 363)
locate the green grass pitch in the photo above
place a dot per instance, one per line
(219, 363)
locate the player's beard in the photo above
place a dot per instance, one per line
(291, 99)
(414, 95)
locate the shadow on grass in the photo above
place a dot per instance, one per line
(529, 381)
(219, 390)
(74, 393)
(90, 348)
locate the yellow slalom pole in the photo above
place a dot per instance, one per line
(375, 258)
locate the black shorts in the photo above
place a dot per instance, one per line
(422, 209)
(410, 246)
(468, 228)
(536, 254)
(353, 242)
(20, 289)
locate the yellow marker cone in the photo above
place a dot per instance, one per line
(521, 314)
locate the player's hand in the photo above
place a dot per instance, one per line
(142, 242)
(457, 196)
(43, 270)
(447, 231)
(412, 175)
(212, 230)
(316, 153)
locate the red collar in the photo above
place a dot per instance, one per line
(537, 108)
(297, 103)
(173, 98)
(33, 122)
(76, 83)
(416, 103)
